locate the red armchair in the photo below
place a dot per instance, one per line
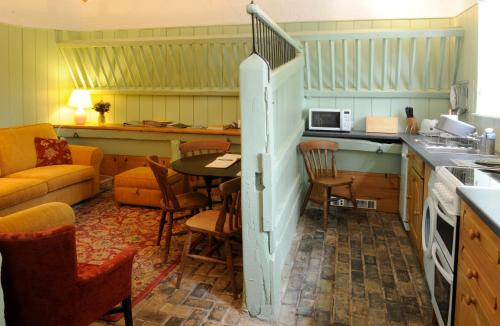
(42, 281)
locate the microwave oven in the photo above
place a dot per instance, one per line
(330, 119)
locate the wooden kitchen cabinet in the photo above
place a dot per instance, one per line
(468, 312)
(414, 209)
(418, 177)
(478, 277)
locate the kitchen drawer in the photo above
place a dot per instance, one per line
(480, 240)
(468, 310)
(416, 162)
(482, 282)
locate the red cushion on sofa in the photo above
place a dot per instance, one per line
(52, 152)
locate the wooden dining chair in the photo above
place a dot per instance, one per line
(319, 159)
(172, 203)
(223, 224)
(200, 147)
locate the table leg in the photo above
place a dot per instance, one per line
(208, 183)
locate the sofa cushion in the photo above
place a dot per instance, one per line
(57, 176)
(17, 146)
(52, 151)
(14, 191)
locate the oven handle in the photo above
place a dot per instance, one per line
(445, 217)
(448, 276)
(429, 202)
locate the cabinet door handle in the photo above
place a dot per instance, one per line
(474, 234)
(469, 300)
(471, 274)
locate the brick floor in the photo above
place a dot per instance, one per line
(362, 271)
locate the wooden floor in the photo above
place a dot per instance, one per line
(362, 271)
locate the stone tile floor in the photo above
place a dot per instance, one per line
(362, 271)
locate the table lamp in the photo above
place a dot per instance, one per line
(80, 99)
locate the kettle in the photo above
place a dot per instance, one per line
(487, 141)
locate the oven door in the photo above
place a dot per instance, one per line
(442, 292)
(428, 231)
(445, 235)
(428, 226)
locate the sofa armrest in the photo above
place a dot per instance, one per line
(111, 281)
(87, 155)
(38, 218)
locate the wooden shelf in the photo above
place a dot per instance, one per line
(120, 127)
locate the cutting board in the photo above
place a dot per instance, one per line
(387, 125)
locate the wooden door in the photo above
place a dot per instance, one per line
(414, 209)
(272, 183)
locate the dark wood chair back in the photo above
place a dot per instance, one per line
(319, 158)
(160, 172)
(199, 147)
(231, 205)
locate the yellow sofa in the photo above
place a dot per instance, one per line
(22, 185)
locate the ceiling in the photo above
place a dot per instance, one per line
(112, 14)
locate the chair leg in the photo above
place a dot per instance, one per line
(306, 199)
(170, 226)
(127, 311)
(185, 253)
(326, 205)
(353, 199)
(162, 225)
(230, 266)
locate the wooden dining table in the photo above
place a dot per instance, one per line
(196, 166)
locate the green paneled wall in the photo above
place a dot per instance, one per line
(386, 107)
(33, 82)
(363, 107)
(192, 110)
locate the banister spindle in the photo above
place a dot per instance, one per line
(413, 52)
(384, 63)
(358, 64)
(427, 62)
(320, 67)
(398, 63)
(372, 58)
(346, 78)
(332, 63)
(308, 65)
(442, 50)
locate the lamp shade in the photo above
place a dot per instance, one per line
(80, 99)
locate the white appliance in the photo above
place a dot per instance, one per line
(428, 229)
(403, 187)
(440, 227)
(329, 119)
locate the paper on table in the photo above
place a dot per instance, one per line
(224, 161)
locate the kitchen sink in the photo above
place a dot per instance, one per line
(450, 150)
(434, 147)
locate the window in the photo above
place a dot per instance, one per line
(488, 70)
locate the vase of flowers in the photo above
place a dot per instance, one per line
(102, 107)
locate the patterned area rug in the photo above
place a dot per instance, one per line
(103, 229)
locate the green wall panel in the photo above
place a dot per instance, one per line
(34, 85)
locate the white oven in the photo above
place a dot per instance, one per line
(440, 230)
(329, 119)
